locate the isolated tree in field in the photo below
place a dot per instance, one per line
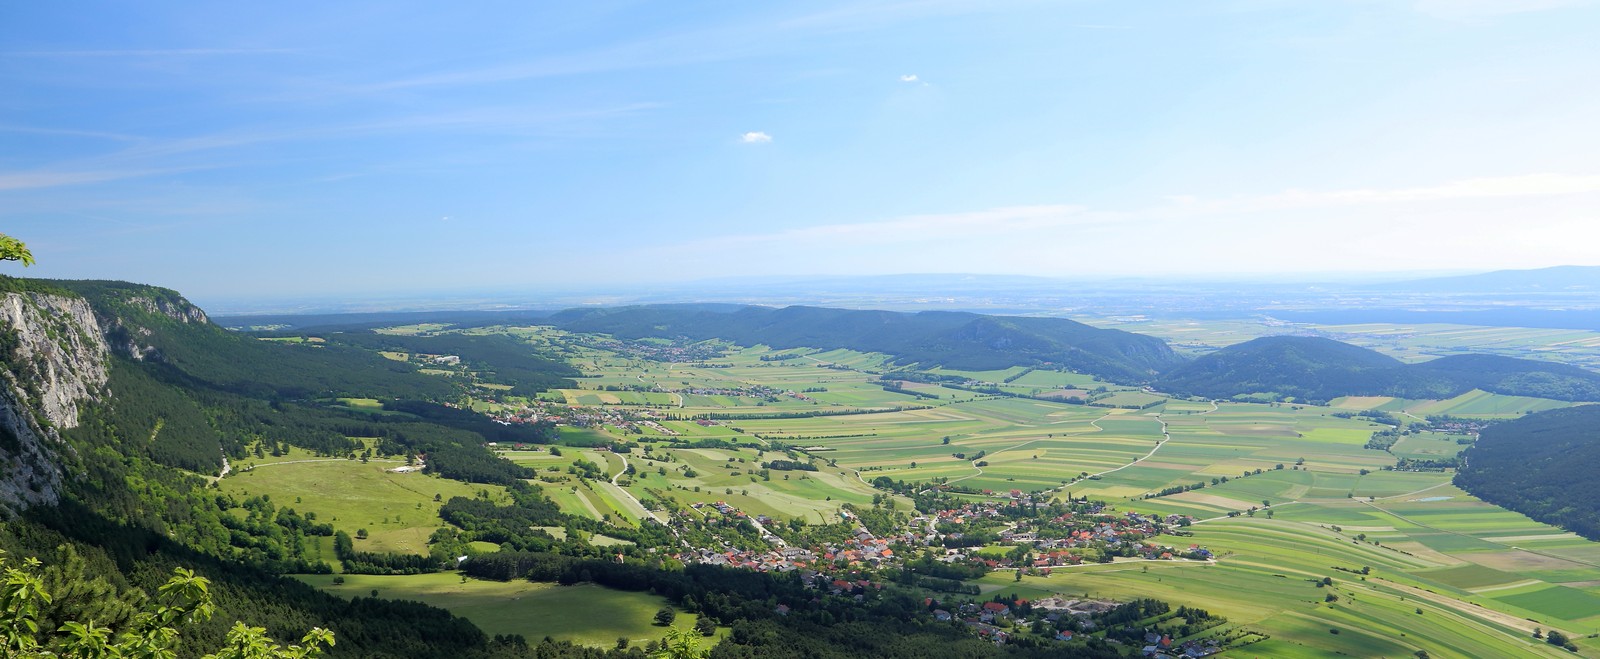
(1554, 637)
(705, 626)
(12, 249)
(665, 616)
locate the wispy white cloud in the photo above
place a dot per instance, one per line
(1468, 220)
(151, 52)
(755, 137)
(29, 180)
(147, 157)
(67, 132)
(1477, 9)
(713, 44)
(1009, 222)
(1526, 185)
(868, 15)
(931, 227)
(909, 77)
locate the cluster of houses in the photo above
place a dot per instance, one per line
(1057, 541)
(987, 618)
(779, 560)
(1051, 544)
(1161, 645)
(862, 550)
(583, 417)
(627, 419)
(984, 617)
(669, 352)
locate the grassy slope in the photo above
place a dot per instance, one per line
(584, 613)
(351, 496)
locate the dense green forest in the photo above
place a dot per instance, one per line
(1318, 369)
(1542, 465)
(932, 338)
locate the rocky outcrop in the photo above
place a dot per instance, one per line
(180, 310)
(55, 359)
(129, 338)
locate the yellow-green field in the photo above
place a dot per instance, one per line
(398, 510)
(584, 613)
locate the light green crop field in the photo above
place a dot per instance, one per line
(585, 613)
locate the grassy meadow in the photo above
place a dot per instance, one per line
(583, 613)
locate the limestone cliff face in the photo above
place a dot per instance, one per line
(56, 359)
(180, 309)
(130, 338)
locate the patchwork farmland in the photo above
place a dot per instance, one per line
(1282, 495)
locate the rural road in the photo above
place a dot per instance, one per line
(1275, 505)
(628, 494)
(292, 462)
(986, 456)
(1165, 437)
(765, 533)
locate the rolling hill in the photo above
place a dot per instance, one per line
(1312, 368)
(956, 340)
(1563, 278)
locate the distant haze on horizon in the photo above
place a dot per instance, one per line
(364, 148)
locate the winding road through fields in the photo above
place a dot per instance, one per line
(1165, 437)
(628, 494)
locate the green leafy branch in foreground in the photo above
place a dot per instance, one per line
(12, 249)
(153, 634)
(680, 644)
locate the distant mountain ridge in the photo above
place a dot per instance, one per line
(1319, 369)
(1557, 279)
(957, 340)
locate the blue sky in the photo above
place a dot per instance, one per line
(278, 149)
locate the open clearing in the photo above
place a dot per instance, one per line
(584, 613)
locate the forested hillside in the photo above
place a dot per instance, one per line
(182, 393)
(931, 338)
(158, 328)
(493, 357)
(1318, 369)
(1541, 465)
